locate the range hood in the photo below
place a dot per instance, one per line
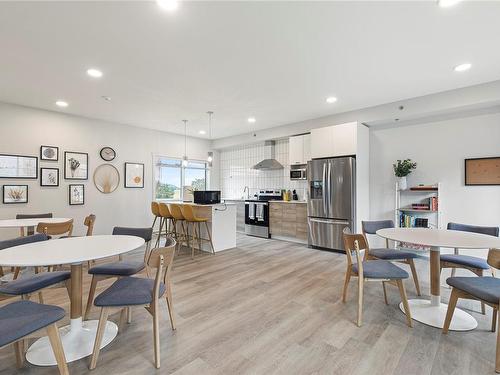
(269, 163)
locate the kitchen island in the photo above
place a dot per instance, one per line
(222, 224)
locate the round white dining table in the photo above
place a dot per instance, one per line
(78, 337)
(432, 312)
(23, 223)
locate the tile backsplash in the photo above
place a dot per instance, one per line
(236, 171)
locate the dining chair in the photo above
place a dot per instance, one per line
(89, 222)
(121, 268)
(26, 286)
(485, 289)
(31, 230)
(371, 270)
(129, 292)
(474, 264)
(195, 223)
(25, 319)
(56, 229)
(155, 210)
(386, 253)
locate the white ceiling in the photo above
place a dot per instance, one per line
(275, 61)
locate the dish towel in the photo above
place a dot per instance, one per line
(251, 211)
(259, 212)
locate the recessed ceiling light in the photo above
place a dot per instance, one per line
(251, 120)
(107, 98)
(202, 132)
(462, 67)
(331, 99)
(448, 3)
(95, 73)
(168, 5)
(61, 103)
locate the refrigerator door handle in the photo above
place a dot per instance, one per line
(324, 182)
(332, 222)
(329, 198)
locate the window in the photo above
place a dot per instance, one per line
(171, 176)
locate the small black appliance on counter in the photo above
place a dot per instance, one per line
(206, 196)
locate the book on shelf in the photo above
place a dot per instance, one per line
(424, 187)
(411, 221)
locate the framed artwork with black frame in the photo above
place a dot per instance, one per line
(49, 153)
(76, 165)
(49, 176)
(14, 194)
(18, 166)
(76, 194)
(134, 175)
(482, 171)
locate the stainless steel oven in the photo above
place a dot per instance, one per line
(298, 172)
(257, 213)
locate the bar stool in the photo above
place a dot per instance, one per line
(155, 210)
(194, 221)
(168, 220)
(176, 212)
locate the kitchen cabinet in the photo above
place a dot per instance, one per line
(337, 140)
(240, 213)
(288, 221)
(299, 149)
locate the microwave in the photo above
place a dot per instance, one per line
(206, 196)
(298, 173)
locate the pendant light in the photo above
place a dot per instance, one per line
(185, 158)
(210, 156)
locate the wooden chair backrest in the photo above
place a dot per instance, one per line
(354, 243)
(89, 223)
(175, 211)
(55, 229)
(164, 211)
(31, 230)
(494, 258)
(162, 258)
(155, 209)
(188, 212)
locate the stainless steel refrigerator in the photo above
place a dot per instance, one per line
(331, 205)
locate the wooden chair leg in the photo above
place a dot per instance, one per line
(411, 262)
(156, 335)
(1, 272)
(494, 320)
(57, 348)
(385, 293)
(90, 299)
(123, 319)
(17, 270)
(170, 306)
(404, 299)
(346, 285)
(483, 306)
(497, 357)
(40, 297)
(98, 338)
(451, 309)
(129, 315)
(360, 301)
(19, 351)
(210, 237)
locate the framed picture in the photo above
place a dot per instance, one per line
(134, 175)
(76, 194)
(482, 171)
(49, 176)
(18, 166)
(15, 194)
(76, 165)
(106, 178)
(50, 153)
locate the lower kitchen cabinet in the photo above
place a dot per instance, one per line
(240, 214)
(288, 221)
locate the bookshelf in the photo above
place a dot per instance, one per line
(418, 207)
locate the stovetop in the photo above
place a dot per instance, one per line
(265, 196)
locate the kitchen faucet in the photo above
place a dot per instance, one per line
(247, 189)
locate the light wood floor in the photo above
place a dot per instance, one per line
(271, 307)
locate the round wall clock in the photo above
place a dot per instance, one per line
(108, 154)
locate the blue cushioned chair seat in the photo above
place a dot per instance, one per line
(128, 291)
(465, 260)
(118, 268)
(33, 283)
(485, 288)
(392, 254)
(21, 318)
(381, 269)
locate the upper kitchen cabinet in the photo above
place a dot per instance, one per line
(300, 149)
(337, 140)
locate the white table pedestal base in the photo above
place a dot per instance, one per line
(77, 340)
(433, 315)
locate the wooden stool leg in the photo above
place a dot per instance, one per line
(193, 238)
(210, 238)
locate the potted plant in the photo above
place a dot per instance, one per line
(403, 168)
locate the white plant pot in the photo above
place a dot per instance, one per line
(402, 184)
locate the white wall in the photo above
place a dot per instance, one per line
(236, 171)
(23, 130)
(439, 148)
